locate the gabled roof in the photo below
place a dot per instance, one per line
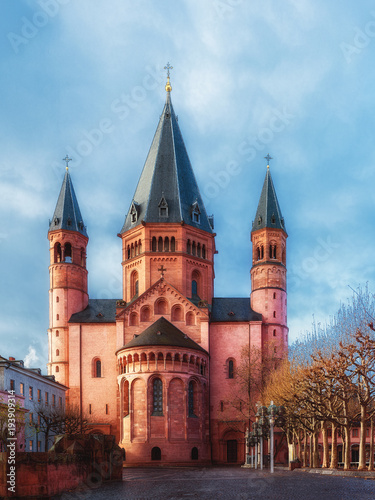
(163, 333)
(67, 214)
(167, 172)
(233, 310)
(97, 311)
(268, 213)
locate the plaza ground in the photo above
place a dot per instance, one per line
(213, 483)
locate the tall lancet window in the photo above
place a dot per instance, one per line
(157, 397)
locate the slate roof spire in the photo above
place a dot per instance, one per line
(268, 212)
(167, 174)
(67, 214)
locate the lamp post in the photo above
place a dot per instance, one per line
(275, 416)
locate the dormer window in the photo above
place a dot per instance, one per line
(163, 207)
(134, 213)
(259, 220)
(282, 222)
(273, 219)
(69, 221)
(195, 213)
(56, 221)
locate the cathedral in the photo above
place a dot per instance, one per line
(157, 366)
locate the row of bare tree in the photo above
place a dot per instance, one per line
(334, 391)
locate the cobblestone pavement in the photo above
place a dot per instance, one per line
(214, 483)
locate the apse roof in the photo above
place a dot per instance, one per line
(163, 333)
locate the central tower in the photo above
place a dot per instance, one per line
(167, 231)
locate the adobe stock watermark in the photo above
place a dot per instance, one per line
(323, 251)
(31, 26)
(225, 7)
(362, 39)
(120, 109)
(248, 151)
(11, 442)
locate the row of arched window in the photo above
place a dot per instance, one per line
(161, 308)
(154, 361)
(65, 254)
(272, 252)
(196, 249)
(165, 244)
(158, 399)
(134, 249)
(156, 453)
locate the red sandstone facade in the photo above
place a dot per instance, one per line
(156, 367)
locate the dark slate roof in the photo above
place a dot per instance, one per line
(98, 311)
(268, 212)
(67, 213)
(233, 310)
(163, 333)
(167, 176)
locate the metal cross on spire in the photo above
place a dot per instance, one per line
(67, 159)
(268, 158)
(168, 67)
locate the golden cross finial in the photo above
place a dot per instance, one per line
(168, 86)
(67, 159)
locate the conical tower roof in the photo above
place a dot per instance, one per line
(268, 213)
(67, 214)
(167, 190)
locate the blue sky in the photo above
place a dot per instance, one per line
(294, 79)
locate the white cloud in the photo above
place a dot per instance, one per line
(31, 359)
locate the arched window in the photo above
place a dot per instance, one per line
(132, 250)
(156, 453)
(136, 248)
(173, 244)
(83, 257)
(274, 333)
(203, 251)
(274, 295)
(128, 252)
(274, 314)
(68, 252)
(134, 284)
(166, 244)
(157, 397)
(139, 247)
(283, 257)
(192, 399)
(57, 333)
(161, 306)
(57, 369)
(177, 314)
(188, 247)
(199, 252)
(194, 248)
(153, 244)
(125, 401)
(57, 299)
(145, 313)
(194, 453)
(160, 244)
(57, 252)
(195, 284)
(133, 319)
(231, 368)
(57, 352)
(98, 368)
(190, 318)
(272, 251)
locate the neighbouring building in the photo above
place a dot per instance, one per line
(157, 366)
(31, 390)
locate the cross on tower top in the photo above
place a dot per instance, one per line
(162, 271)
(67, 160)
(268, 158)
(168, 67)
